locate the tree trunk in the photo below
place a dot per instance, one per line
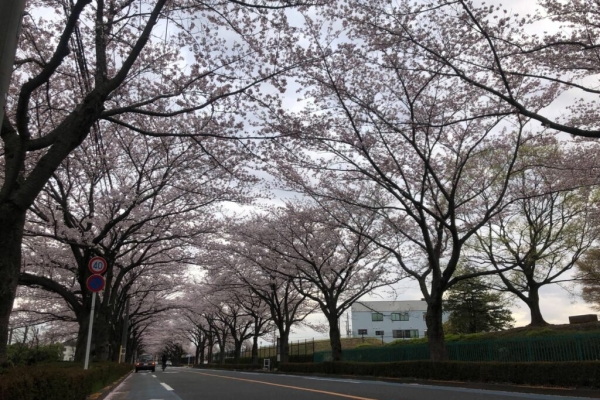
(99, 349)
(284, 345)
(84, 323)
(101, 336)
(197, 355)
(222, 355)
(12, 221)
(335, 339)
(534, 307)
(255, 348)
(211, 345)
(222, 340)
(202, 350)
(131, 345)
(237, 351)
(435, 330)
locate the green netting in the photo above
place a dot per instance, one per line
(555, 348)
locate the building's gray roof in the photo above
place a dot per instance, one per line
(389, 306)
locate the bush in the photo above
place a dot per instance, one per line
(23, 354)
(564, 374)
(57, 381)
(303, 358)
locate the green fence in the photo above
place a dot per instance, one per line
(553, 348)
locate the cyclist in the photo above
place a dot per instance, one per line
(164, 361)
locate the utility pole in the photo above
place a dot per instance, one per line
(123, 349)
(348, 331)
(10, 27)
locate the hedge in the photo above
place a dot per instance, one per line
(57, 381)
(564, 374)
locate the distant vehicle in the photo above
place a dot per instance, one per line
(169, 362)
(145, 362)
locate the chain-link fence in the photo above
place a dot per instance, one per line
(298, 351)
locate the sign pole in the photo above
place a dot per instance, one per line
(123, 349)
(89, 338)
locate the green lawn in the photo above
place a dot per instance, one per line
(298, 347)
(524, 331)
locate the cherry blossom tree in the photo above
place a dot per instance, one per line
(220, 328)
(538, 239)
(217, 308)
(241, 265)
(197, 324)
(196, 332)
(141, 213)
(156, 67)
(588, 274)
(426, 153)
(325, 262)
(239, 323)
(520, 62)
(258, 311)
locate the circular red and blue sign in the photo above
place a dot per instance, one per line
(95, 283)
(97, 265)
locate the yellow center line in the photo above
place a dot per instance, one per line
(286, 386)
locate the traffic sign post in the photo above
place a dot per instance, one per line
(97, 265)
(94, 283)
(89, 338)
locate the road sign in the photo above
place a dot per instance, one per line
(95, 283)
(97, 265)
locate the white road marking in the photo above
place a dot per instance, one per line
(154, 376)
(167, 386)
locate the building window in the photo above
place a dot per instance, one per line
(377, 316)
(424, 316)
(399, 316)
(405, 333)
(362, 331)
(378, 333)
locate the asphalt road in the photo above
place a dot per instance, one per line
(191, 384)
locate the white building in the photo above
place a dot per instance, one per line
(390, 320)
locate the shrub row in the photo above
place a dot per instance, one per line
(23, 354)
(57, 382)
(564, 374)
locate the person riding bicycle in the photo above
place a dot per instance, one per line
(164, 361)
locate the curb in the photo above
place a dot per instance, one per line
(104, 392)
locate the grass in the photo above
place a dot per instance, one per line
(301, 348)
(524, 331)
(298, 347)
